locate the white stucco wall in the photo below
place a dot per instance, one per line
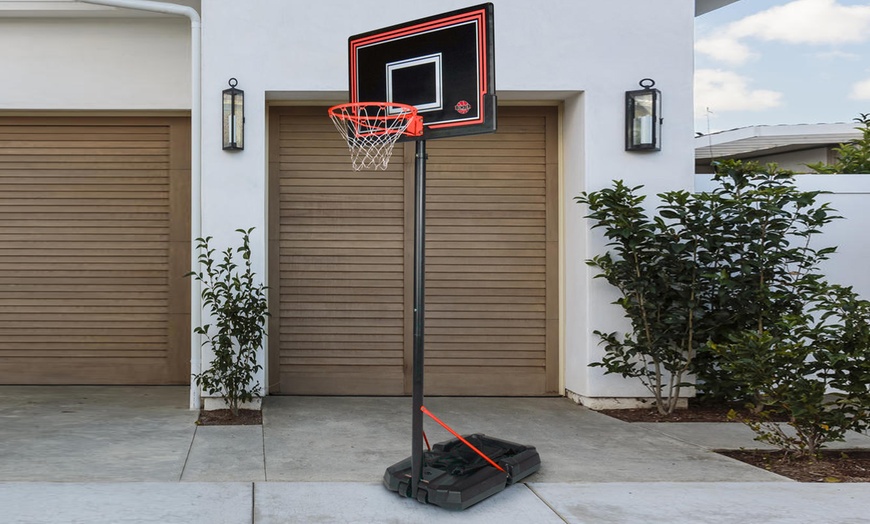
(582, 55)
(95, 64)
(850, 196)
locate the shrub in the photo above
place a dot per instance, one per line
(815, 371)
(758, 261)
(655, 269)
(237, 304)
(726, 285)
(709, 265)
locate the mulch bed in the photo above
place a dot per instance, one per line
(694, 413)
(831, 466)
(224, 417)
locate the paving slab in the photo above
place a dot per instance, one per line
(80, 433)
(355, 439)
(734, 435)
(226, 454)
(125, 502)
(343, 439)
(280, 502)
(703, 503)
(709, 435)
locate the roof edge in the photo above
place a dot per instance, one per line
(705, 6)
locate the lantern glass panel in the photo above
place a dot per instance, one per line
(642, 126)
(643, 120)
(233, 119)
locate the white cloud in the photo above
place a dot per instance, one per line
(860, 90)
(836, 54)
(724, 49)
(807, 22)
(722, 91)
(797, 22)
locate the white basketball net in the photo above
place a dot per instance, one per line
(371, 131)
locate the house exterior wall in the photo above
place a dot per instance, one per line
(581, 56)
(95, 64)
(797, 160)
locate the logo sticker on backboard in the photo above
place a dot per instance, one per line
(463, 107)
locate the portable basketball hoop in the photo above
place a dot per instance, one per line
(443, 67)
(371, 129)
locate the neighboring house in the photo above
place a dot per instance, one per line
(790, 146)
(97, 208)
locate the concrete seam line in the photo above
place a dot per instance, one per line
(263, 434)
(546, 503)
(253, 502)
(675, 438)
(189, 450)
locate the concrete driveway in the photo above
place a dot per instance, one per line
(80, 434)
(134, 454)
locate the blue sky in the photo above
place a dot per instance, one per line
(782, 62)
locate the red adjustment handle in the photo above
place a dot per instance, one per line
(457, 435)
(415, 128)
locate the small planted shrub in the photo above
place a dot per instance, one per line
(813, 369)
(654, 266)
(236, 302)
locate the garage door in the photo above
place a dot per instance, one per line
(94, 243)
(343, 245)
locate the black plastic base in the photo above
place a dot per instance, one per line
(454, 477)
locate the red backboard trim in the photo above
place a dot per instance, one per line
(477, 16)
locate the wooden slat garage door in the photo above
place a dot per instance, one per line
(343, 242)
(339, 250)
(491, 259)
(94, 243)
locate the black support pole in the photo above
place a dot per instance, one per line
(419, 310)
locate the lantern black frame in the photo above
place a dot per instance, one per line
(233, 119)
(648, 100)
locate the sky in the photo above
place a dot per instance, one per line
(768, 62)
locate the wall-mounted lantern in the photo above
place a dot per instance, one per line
(234, 117)
(643, 118)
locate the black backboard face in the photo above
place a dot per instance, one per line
(443, 65)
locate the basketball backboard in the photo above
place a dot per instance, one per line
(443, 65)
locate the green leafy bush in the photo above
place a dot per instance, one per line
(758, 261)
(815, 371)
(707, 266)
(726, 285)
(852, 157)
(655, 269)
(237, 303)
